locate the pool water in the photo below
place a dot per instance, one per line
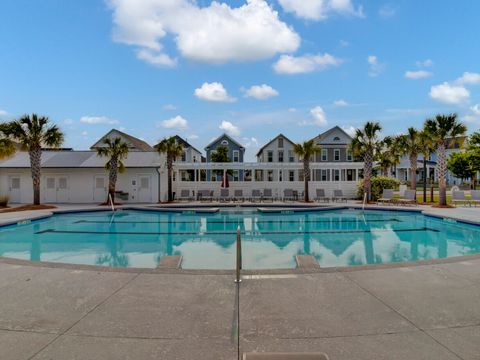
(269, 240)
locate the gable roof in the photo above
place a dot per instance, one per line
(323, 135)
(133, 142)
(228, 137)
(186, 144)
(275, 138)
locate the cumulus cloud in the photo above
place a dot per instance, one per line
(469, 78)
(317, 117)
(476, 109)
(213, 92)
(288, 64)
(3, 112)
(376, 67)
(229, 128)
(449, 93)
(176, 122)
(350, 130)
(94, 120)
(474, 115)
(320, 9)
(261, 92)
(419, 74)
(340, 103)
(215, 33)
(250, 142)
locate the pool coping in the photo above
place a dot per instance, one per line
(182, 271)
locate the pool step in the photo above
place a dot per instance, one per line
(306, 262)
(170, 262)
(285, 356)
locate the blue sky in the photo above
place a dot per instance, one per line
(254, 68)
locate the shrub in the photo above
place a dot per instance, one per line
(379, 183)
(4, 200)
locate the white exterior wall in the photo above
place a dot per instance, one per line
(81, 182)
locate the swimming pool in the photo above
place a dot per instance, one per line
(269, 240)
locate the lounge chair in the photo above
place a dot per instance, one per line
(458, 197)
(475, 197)
(185, 195)
(267, 195)
(224, 195)
(205, 195)
(338, 196)
(409, 197)
(238, 195)
(288, 195)
(256, 195)
(320, 195)
(387, 197)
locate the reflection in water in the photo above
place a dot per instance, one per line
(335, 238)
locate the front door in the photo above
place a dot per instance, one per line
(50, 189)
(144, 192)
(62, 189)
(56, 189)
(14, 188)
(100, 188)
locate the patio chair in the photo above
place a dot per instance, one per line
(184, 195)
(224, 195)
(338, 196)
(475, 197)
(267, 195)
(238, 195)
(458, 197)
(205, 195)
(256, 195)
(409, 197)
(320, 195)
(387, 197)
(288, 195)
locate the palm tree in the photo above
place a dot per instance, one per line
(7, 146)
(442, 129)
(305, 151)
(390, 155)
(427, 147)
(172, 149)
(366, 145)
(33, 133)
(411, 146)
(116, 150)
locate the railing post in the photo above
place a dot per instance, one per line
(238, 265)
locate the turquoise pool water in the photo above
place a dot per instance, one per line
(207, 241)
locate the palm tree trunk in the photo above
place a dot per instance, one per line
(441, 169)
(306, 178)
(424, 179)
(170, 177)
(385, 171)
(35, 166)
(367, 174)
(413, 171)
(112, 178)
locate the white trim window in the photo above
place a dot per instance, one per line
(236, 156)
(280, 156)
(336, 175)
(349, 155)
(269, 156)
(336, 154)
(324, 155)
(236, 176)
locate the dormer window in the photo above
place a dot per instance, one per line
(224, 142)
(336, 138)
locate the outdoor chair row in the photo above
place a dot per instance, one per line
(458, 197)
(409, 198)
(337, 196)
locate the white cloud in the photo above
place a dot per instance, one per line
(250, 142)
(476, 109)
(425, 63)
(320, 9)
(215, 33)
(344, 43)
(292, 109)
(376, 67)
(192, 137)
(474, 115)
(3, 112)
(350, 130)
(169, 107)
(68, 121)
(288, 64)
(84, 133)
(449, 94)
(229, 128)
(340, 103)
(176, 122)
(469, 78)
(261, 92)
(419, 74)
(213, 92)
(318, 117)
(93, 120)
(387, 11)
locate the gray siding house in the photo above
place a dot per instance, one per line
(334, 144)
(277, 150)
(236, 153)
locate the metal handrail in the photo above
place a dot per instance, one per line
(364, 201)
(111, 201)
(238, 265)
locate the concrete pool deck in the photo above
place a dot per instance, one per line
(401, 312)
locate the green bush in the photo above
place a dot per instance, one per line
(4, 200)
(379, 183)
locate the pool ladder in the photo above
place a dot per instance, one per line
(238, 262)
